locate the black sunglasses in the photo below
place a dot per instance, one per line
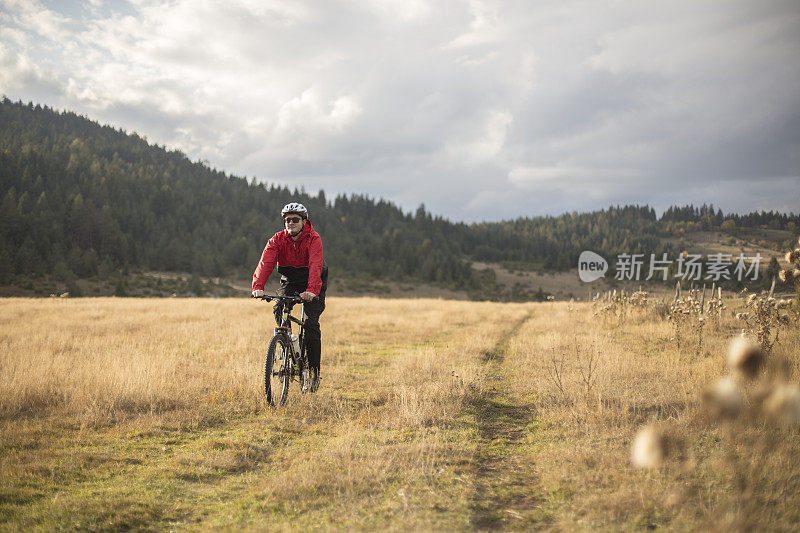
(294, 220)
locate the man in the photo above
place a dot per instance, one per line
(297, 250)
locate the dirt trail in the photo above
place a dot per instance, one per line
(503, 485)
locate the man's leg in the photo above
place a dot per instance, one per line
(277, 312)
(313, 333)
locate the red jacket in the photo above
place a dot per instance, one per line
(306, 251)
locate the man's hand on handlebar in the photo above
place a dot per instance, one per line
(304, 296)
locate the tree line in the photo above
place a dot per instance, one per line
(82, 199)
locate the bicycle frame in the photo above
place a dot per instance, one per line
(286, 324)
(286, 303)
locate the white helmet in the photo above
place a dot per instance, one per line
(296, 208)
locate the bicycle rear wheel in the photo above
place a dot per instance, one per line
(277, 370)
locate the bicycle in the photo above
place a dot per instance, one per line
(287, 359)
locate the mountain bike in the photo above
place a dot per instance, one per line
(287, 360)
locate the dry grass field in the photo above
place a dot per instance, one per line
(433, 415)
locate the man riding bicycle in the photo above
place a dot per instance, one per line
(297, 250)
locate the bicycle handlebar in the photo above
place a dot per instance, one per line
(270, 297)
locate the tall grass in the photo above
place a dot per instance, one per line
(102, 360)
(710, 472)
(432, 415)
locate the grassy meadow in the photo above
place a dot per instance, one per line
(435, 415)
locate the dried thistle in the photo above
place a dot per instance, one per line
(688, 312)
(649, 447)
(723, 399)
(654, 444)
(763, 320)
(745, 357)
(618, 305)
(783, 404)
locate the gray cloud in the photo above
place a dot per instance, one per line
(480, 110)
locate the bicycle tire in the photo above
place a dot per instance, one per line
(277, 370)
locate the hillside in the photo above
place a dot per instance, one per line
(83, 200)
(95, 210)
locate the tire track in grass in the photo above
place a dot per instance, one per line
(503, 491)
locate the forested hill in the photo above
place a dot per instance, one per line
(85, 195)
(80, 199)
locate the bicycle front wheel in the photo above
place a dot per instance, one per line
(277, 370)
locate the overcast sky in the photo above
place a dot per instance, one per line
(480, 109)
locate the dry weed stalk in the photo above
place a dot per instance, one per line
(791, 274)
(587, 365)
(686, 313)
(618, 305)
(715, 306)
(763, 318)
(606, 305)
(555, 373)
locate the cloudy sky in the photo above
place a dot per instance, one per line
(480, 109)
